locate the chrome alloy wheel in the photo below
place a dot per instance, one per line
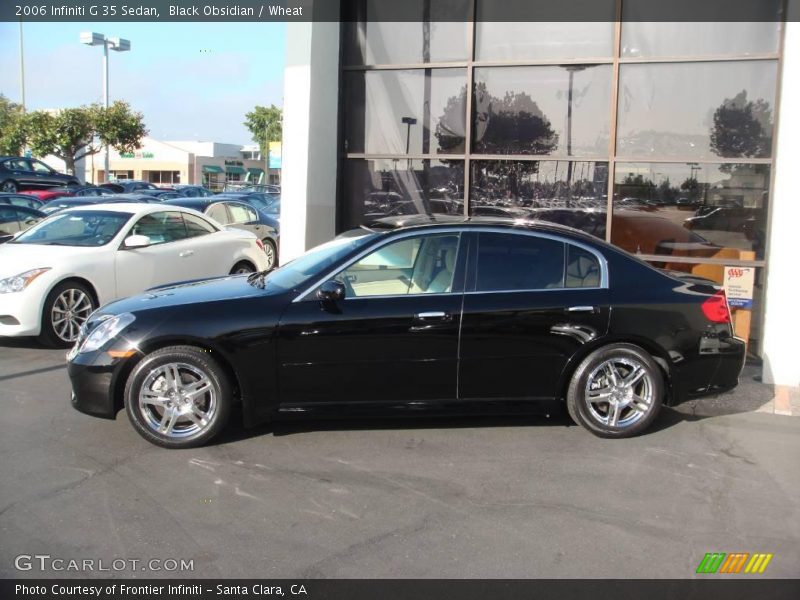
(619, 392)
(70, 311)
(177, 400)
(269, 250)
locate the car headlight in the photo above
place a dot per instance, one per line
(105, 331)
(17, 283)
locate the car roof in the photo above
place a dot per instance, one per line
(407, 222)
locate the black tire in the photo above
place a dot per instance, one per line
(633, 411)
(9, 186)
(52, 331)
(271, 252)
(243, 267)
(153, 421)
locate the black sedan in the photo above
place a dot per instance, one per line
(14, 219)
(124, 186)
(20, 200)
(481, 315)
(60, 204)
(239, 215)
(20, 173)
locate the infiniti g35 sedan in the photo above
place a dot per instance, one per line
(55, 274)
(476, 315)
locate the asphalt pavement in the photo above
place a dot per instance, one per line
(433, 498)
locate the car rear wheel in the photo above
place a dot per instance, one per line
(272, 254)
(616, 391)
(66, 308)
(242, 268)
(9, 186)
(178, 397)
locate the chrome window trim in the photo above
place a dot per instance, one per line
(462, 230)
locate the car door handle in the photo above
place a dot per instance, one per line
(579, 309)
(436, 314)
(186, 253)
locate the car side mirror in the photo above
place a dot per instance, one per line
(331, 291)
(136, 241)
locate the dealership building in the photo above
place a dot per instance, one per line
(212, 164)
(669, 139)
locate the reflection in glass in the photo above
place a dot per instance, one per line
(386, 111)
(566, 192)
(697, 110)
(544, 41)
(677, 39)
(551, 110)
(372, 37)
(689, 209)
(397, 188)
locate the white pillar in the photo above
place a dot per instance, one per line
(781, 320)
(310, 118)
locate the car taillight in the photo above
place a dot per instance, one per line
(260, 244)
(715, 308)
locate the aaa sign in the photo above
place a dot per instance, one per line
(738, 284)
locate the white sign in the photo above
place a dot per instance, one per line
(738, 282)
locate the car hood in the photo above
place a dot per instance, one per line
(18, 258)
(191, 292)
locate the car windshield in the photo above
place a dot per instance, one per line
(273, 208)
(311, 264)
(79, 228)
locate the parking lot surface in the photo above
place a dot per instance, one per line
(471, 497)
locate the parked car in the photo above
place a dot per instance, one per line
(60, 204)
(20, 200)
(14, 219)
(55, 274)
(483, 315)
(124, 186)
(257, 199)
(193, 191)
(64, 203)
(68, 192)
(238, 215)
(161, 194)
(19, 173)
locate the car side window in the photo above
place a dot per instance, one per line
(39, 166)
(19, 201)
(219, 213)
(17, 164)
(195, 226)
(415, 265)
(515, 262)
(161, 227)
(583, 268)
(9, 221)
(240, 214)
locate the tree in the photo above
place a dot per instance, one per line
(265, 125)
(742, 128)
(73, 133)
(12, 127)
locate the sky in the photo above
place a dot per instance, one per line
(192, 81)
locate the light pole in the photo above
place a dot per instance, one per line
(116, 44)
(408, 121)
(21, 67)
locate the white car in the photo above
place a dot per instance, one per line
(55, 274)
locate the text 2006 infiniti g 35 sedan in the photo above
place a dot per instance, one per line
(436, 317)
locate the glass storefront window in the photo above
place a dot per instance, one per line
(371, 41)
(549, 110)
(566, 192)
(697, 110)
(544, 41)
(691, 209)
(420, 111)
(396, 188)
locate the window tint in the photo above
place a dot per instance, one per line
(39, 166)
(583, 268)
(195, 226)
(418, 265)
(161, 227)
(508, 262)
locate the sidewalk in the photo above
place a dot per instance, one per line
(751, 395)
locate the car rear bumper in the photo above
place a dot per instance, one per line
(732, 354)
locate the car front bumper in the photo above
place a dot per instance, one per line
(94, 378)
(19, 315)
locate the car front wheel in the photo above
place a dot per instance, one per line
(178, 397)
(616, 391)
(66, 308)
